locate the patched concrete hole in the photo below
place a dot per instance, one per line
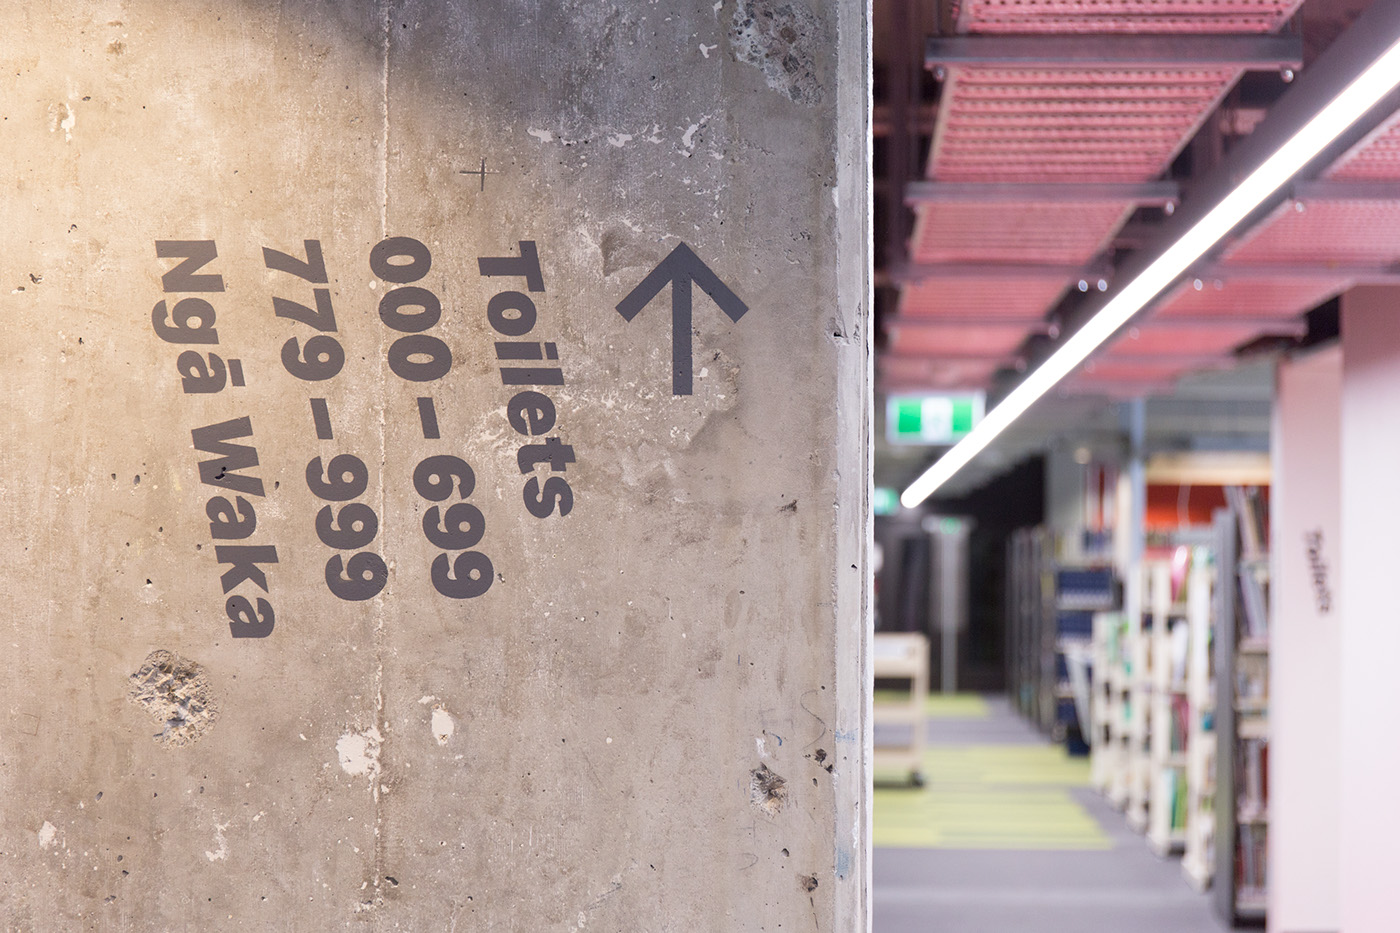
(175, 693)
(777, 38)
(767, 790)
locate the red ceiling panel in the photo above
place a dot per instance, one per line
(1108, 369)
(910, 374)
(1147, 340)
(1360, 232)
(1015, 232)
(1000, 124)
(1038, 137)
(951, 341)
(1019, 299)
(1124, 16)
(1377, 158)
(1273, 297)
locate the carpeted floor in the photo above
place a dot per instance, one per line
(1006, 837)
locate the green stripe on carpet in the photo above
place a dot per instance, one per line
(939, 705)
(990, 797)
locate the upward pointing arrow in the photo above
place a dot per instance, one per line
(681, 268)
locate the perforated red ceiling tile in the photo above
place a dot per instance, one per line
(1125, 16)
(1376, 158)
(911, 374)
(966, 299)
(1154, 341)
(1015, 232)
(1001, 124)
(1362, 233)
(951, 341)
(1023, 124)
(1273, 297)
(1108, 369)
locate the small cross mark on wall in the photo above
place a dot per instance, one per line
(479, 171)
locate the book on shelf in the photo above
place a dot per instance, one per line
(1251, 863)
(1179, 804)
(1180, 723)
(1252, 681)
(1253, 789)
(1180, 573)
(1251, 513)
(1180, 636)
(1255, 600)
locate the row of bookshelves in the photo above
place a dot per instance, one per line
(1188, 768)
(1051, 609)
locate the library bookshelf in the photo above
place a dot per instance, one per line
(1242, 720)
(1168, 711)
(1198, 857)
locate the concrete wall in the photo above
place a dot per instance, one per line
(1370, 552)
(1305, 667)
(615, 680)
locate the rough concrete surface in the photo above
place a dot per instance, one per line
(364, 568)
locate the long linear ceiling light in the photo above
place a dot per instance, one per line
(1380, 78)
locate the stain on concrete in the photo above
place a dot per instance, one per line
(358, 752)
(778, 39)
(767, 790)
(62, 117)
(622, 249)
(443, 724)
(174, 692)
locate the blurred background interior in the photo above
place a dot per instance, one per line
(1123, 678)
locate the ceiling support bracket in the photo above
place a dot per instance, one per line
(1249, 52)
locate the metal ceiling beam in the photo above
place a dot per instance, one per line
(1184, 358)
(1002, 358)
(1355, 274)
(1004, 271)
(1210, 271)
(939, 192)
(1329, 190)
(1034, 325)
(1251, 52)
(1273, 327)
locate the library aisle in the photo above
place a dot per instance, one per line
(1007, 837)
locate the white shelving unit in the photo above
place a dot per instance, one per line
(903, 656)
(1242, 711)
(1198, 859)
(1107, 709)
(1167, 727)
(1137, 643)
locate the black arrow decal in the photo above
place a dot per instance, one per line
(681, 268)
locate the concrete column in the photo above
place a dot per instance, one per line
(434, 455)
(1305, 646)
(1366, 565)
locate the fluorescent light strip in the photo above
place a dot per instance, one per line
(1363, 93)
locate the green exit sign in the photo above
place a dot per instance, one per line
(932, 419)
